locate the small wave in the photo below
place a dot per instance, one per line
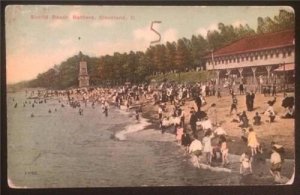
(142, 123)
(123, 111)
(201, 165)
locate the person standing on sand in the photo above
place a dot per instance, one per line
(252, 141)
(234, 104)
(198, 102)
(182, 116)
(207, 148)
(80, 111)
(195, 149)
(244, 120)
(246, 166)
(276, 164)
(160, 111)
(137, 115)
(193, 120)
(224, 150)
(257, 119)
(248, 101)
(279, 148)
(179, 133)
(212, 114)
(252, 97)
(241, 88)
(219, 93)
(105, 108)
(185, 141)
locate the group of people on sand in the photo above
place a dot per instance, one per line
(207, 142)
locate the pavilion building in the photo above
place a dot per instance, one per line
(256, 59)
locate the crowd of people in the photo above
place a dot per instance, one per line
(201, 136)
(204, 135)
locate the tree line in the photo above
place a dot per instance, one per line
(135, 67)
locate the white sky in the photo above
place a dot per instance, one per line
(33, 45)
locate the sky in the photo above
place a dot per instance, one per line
(41, 36)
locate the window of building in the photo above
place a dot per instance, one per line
(289, 52)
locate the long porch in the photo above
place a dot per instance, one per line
(257, 77)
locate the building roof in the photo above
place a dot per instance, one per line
(257, 42)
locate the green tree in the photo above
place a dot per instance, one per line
(182, 58)
(170, 56)
(284, 20)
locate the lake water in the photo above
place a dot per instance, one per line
(64, 149)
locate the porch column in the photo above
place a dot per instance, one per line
(269, 70)
(228, 71)
(241, 76)
(218, 77)
(254, 77)
(240, 71)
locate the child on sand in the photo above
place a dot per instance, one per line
(279, 148)
(179, 133)
(257, 119)
(195, 148)
(224, 150)
(244, 135)
(245, 167)
(219, 93)
(276, 164)
(244, 121)
(234, 104)
(137, 115)
(207, 148)
(252, 141)
(160, 111)
(185, 140)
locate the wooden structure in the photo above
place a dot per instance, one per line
(254, 59)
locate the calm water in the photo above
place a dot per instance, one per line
(64, 149)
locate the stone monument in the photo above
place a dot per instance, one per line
(83, 77)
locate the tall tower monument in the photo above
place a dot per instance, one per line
(83, 77)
